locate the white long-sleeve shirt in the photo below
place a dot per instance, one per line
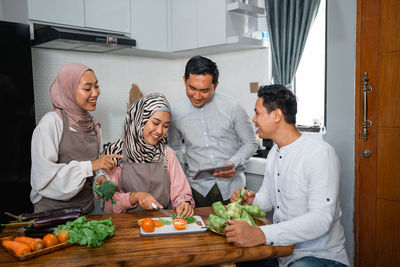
(49, 178)
(301, 184)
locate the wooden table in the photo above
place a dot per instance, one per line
(128, 248)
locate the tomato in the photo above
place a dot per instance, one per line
(50, 240)
(179, 224)
(157, 223)
(63, 236)
(148, 225)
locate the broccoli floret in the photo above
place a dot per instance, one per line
(105, 191)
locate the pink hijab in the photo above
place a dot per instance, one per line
(63, 96)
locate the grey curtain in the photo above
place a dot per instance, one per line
(289, 22)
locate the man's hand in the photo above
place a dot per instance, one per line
(247, 197)
(226, 173)
(184, 210)
(242, 234)
(105, 162)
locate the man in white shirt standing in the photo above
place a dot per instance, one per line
(301, 184)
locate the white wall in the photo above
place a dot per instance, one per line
(117, 73)
(341, 56)
(1, 11)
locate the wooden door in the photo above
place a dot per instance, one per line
(377, 196)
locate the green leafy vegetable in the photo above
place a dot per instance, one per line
(105, 191)
(91, 233)
(165, 222)
(190, 219)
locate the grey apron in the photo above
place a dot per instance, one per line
(145, 177)
(74, 146)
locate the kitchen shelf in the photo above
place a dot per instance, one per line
(246, 9)
(247, 41)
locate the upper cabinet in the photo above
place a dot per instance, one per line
(197, 23)
(150, 28)
(102, 15)
(187, 27)
(70, 12)
(108, 15)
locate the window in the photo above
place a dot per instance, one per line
(309, 82)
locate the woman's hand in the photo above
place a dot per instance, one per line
(144, 200)
(105, 162)
(101, 179)
(184, 210)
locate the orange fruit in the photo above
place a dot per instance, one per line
(50, 240)
(179, 224)
(148, 225)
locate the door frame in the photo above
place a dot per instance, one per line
(367, 60)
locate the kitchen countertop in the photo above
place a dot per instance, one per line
(128, 248)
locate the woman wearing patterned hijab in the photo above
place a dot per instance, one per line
(149, 171)
(66, 144)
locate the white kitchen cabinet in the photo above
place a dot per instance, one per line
(149, 24)
(102, 15)
(62, 12)
(211, 22)
(108, 15)
(197, 23)
(183, 24)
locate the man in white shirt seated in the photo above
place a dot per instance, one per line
(301, 184)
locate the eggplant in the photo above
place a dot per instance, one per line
(31, 216)
(34, 231)
(37, 231)
(49, 220)
(56, 219)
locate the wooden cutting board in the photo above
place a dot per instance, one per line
(197, 227)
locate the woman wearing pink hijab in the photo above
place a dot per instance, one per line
(66, 144)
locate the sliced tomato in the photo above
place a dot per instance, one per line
(157, 223)
(179, 224)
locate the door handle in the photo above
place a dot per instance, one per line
(366, 89)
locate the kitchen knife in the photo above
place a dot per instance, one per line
(166, 212)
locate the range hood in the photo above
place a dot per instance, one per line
(80, 40)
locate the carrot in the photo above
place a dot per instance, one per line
(19, 249)
(33, 243)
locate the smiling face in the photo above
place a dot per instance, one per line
(199, 88)
(156, 127)
(265, 123)
(88, 91)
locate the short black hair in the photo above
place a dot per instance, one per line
(277, 96)
(202, 65)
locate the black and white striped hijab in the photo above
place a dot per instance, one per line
(137, 149)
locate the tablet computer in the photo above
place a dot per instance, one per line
(213, 169)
